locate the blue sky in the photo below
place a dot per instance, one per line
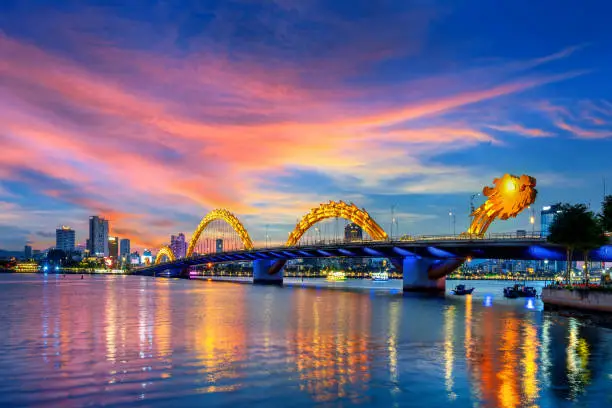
(153, 113)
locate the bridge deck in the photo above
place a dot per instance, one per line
(511, 247)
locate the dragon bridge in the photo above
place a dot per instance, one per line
(339, 209)
(165, 252)
(228, 217)
(506, 199)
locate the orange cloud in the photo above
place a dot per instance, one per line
(204, 132)
(521, 130)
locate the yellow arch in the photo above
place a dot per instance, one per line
(165, 251)
(225, 215)
(337, 209)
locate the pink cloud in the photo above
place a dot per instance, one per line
(521, 130)
(204, 132)
(582, 132)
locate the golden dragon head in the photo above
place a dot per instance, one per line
(510, 195)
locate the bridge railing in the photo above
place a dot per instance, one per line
(517, 236)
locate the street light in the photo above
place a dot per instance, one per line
(532, 221)
(472, 197)
(451, 218)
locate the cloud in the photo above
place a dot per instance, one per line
(520, 130)
(587, 119)
(133, 133)
(45, 234)
(582, 132)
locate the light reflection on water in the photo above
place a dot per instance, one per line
(158, 342)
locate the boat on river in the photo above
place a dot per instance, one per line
(335, 276)
(380, 276)
(461, 290)
(519, 290)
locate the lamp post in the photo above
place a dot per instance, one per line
(451, 219)
(532, 221)
(472, 209)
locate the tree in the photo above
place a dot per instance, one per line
(576, 228)
(606, 214)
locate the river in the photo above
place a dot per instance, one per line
(116, 340)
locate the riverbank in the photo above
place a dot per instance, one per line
(577, 299)
(497, 278)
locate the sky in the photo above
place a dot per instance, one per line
(153, 113)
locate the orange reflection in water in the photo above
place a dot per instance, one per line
(219, 341)
(502, 357)
(329, 344)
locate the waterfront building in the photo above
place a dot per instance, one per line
(147, 257)
(353, 232)
(178, 245)
(37, 254)
(28, 252)
(547, 216)
(113, 247)
(219, 245)
(65, 239)
(98, 236)
(134, 258)
(124, 248)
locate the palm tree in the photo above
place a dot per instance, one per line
(606, 214)
(576, 228)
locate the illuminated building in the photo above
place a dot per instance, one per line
(28, 252)
(178, 245)
(124, 248)
(219, 245)
(547, 216)
(147, 257)
(353, 232)
(64, 239)
(135, 258)
(98, 236)
(113, 247)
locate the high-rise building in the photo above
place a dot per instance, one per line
(547, 216)
(178, 245)
(65, 239)
(353, 232)
(113, 247)
(98, 236)
(124, 248)
(28, 252)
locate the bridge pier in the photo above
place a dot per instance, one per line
(416, 276)
(262, 276)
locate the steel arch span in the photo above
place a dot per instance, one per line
(339, 209)
(228, 217)
(167, 252)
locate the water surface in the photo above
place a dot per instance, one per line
(113, 340)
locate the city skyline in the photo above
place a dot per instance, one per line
(153, 116)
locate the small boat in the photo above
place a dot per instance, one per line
(335, 276)
(510, 292)
(461, 290)
(520, 290)
(380, 276)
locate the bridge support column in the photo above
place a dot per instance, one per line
(416, 276)
(262, 276)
